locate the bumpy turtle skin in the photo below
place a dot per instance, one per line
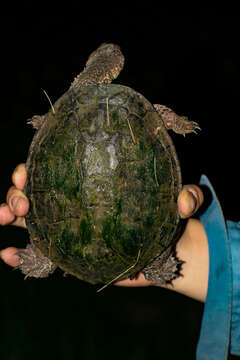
(34, 264)
(164, 268)
(103, 66)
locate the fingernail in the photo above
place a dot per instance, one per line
(194, 199)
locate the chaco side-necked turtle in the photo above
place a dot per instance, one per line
(103, 181)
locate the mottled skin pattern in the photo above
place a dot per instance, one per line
(103, 66)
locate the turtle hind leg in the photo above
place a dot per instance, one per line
(164, 269)
(33, 263)
(172, 121)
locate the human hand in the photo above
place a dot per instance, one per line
(189, 201)
(17, 206)
(14, 210)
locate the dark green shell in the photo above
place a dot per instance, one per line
(103, 181)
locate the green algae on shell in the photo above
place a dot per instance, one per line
(103, 181)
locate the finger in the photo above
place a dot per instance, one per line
(6, 216)
(19, 176)
(9, 256)
(18, 203)
(189, 200)
(139, 280)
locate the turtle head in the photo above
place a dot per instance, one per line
(103, 66)
(110, 56)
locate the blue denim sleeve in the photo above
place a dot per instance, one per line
(220, 328)
(233, 230)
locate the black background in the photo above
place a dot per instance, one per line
(188, 63)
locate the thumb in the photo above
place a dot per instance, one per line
(189, 200)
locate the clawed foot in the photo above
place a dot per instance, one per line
(33, 263)
(172, 121)
(185, 126)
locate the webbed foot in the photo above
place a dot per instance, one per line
(33, 263)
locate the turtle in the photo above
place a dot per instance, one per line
(103, 181)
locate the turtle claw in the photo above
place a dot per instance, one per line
(184, 126)
(192, 126)
(33, 263)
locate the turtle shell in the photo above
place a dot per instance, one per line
(103, 182)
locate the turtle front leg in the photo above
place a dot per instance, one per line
(172, 121)
(33, 263)
(36, 121)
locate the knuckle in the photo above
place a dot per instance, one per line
(10, 192)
